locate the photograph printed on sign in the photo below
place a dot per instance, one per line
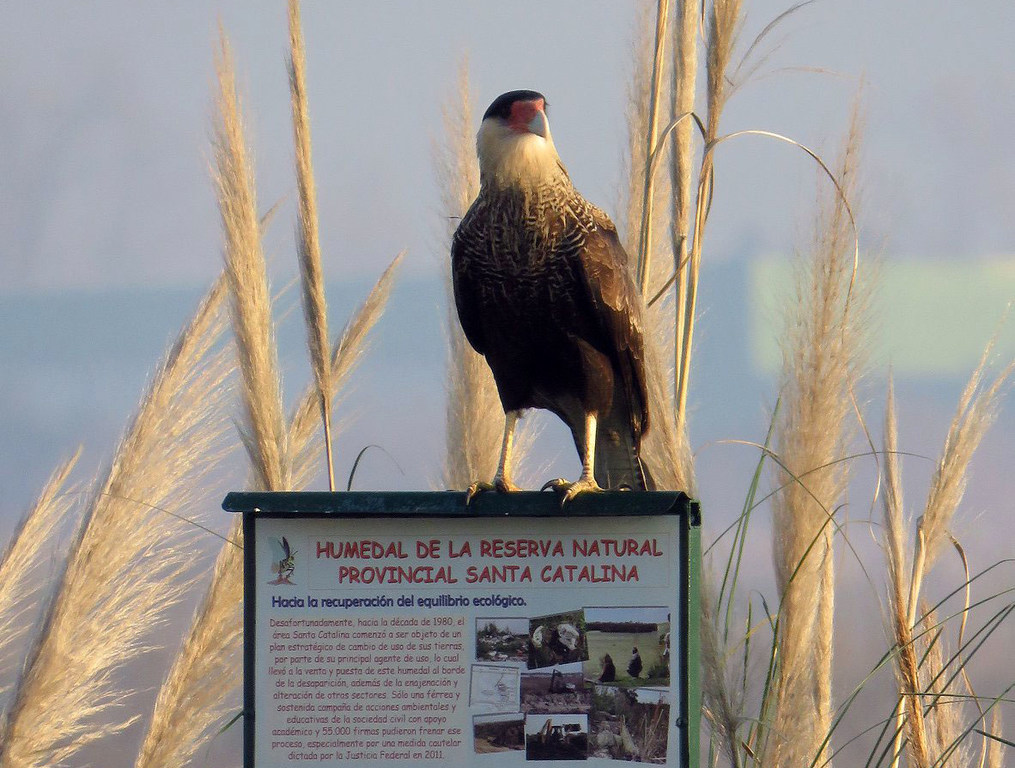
(561, 689)
(498, 733)
(628, 647)
(557, 639)
(502, 639)
(630, 724)
(494, 688)
(556, 737)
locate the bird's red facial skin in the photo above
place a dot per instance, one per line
(522, 113)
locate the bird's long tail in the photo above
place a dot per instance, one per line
(618, 462)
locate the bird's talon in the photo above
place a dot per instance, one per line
(504, 486)
(582, 485)
(476, 488)
(569, 490)
(557, 484)
(499, 484)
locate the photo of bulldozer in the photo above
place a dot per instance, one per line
(556, 739)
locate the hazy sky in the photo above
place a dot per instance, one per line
(104, 110)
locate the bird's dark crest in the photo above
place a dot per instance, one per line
(501, 106)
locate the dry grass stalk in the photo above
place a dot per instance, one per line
(822, 351)
(196, 694)
(722, 697)
(725, 20)
(666, 449)
(474, 421)
(263, 430)
(685, 74)
(205, 674)
(724, 26)
(455, 158)
(131, 560)
(909, 712)
(667, 446)
(651, 139)
(315, 308)
(638, 87)
(976, 413)
(942, 699)
(995, 748)
(198, 690)
(348, 351)
(894, 517)
(20, 578)
(630, 207)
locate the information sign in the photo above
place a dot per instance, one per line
(404, 629)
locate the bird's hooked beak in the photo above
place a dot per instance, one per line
(529, 117)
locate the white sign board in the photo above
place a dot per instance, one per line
(469, 641)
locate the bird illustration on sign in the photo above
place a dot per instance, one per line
(283, 560)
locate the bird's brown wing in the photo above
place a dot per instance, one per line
(617, 306)
(467, 239)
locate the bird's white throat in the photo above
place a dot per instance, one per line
(508, 158)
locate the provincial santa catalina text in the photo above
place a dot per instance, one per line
(366, 549)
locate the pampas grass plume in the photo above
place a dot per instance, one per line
(21, 585)
(822, 356)
(315, 308)
(67, 698)
(263, 430)
(346, 355)
(474, 417)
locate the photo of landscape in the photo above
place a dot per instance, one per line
(629, 724)
(498, 733)
(628, 647)
(502, 639)
(560, 689)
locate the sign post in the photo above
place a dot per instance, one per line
(404, 629)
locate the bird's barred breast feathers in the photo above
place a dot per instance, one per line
(519, 242)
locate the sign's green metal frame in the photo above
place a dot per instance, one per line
(451, 504)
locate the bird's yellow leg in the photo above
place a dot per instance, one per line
(587, 481)
(502, 480)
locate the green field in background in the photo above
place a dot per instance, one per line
(930, 318)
